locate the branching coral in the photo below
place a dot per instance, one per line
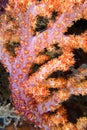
(34, 94)
(7, 115)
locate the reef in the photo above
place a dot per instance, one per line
(43, 46)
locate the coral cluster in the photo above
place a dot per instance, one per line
(33, 45)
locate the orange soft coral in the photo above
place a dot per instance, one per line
(30, 90)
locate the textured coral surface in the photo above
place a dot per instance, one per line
(39, 53)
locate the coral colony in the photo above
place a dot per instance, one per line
(35, 48)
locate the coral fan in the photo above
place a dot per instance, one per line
(33, 45)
